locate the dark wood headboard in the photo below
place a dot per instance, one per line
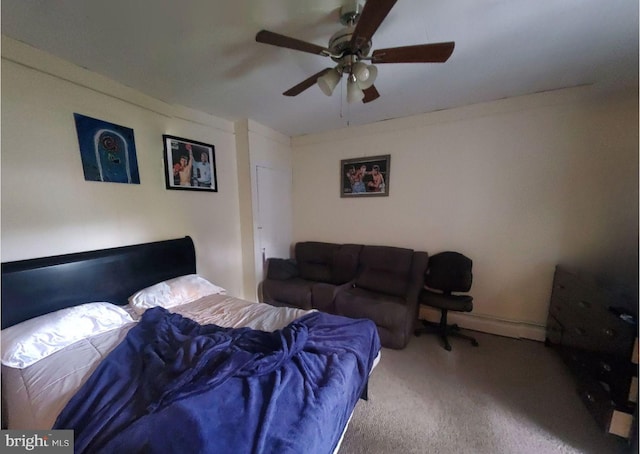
(38, 286)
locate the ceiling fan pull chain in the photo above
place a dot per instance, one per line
(342, 104)
(342, 98)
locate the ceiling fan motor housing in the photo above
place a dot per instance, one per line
(340, 44)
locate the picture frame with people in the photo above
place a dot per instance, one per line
(189, 165)
(365, 177)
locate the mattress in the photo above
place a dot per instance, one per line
(35, 395)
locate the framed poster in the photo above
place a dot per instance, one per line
(365, 177)
(107, 150)
(189, 165)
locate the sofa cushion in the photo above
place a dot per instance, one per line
(385, 269)
(323, 295)
(294, 292)
(345, 263)
(315, 260)
(327, 262)
(385, 310)
(281, 269)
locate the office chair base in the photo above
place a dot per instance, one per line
(444, 332)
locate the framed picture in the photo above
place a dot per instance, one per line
(365, 177)
(107, 150)
(189, 165)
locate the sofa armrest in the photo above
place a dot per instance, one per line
(282, 269)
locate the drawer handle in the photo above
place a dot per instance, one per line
(580, 331)
(584, 304)
(609, 332)
(606, 367)
(590, 397)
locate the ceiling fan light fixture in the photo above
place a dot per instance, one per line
(328, 81)
(354, 93)
(372, 74)
(361, 71)
(349, 47)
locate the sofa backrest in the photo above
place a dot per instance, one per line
(327, 262)
(385, 269)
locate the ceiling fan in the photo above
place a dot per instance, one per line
(350, 48)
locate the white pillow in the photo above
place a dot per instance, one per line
(30, 341)
(174, 292)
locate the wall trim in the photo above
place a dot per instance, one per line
(568, 97)
(490, 325)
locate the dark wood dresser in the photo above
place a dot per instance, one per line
(595, 331)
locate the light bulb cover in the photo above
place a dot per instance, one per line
(354, 93)
(328, 81)
(361, 71)
(368, 82)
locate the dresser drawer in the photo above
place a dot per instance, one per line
(603, 336)
(580, 311)
(581, 292)
(565, 309)
(610, 417)
(615, 376)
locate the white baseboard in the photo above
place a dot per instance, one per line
(508, 328)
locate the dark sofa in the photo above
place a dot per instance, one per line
(381, 283)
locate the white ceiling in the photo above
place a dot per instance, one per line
(203, 55)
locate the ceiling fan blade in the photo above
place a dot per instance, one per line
(421, 53)
(370, 94)
(275, 39)
(372, 15)
(302, 86)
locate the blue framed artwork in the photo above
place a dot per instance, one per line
(108, 151)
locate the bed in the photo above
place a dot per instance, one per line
(168, 362)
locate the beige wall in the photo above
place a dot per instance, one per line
(47, 206)
(518, 185)
(256, 145)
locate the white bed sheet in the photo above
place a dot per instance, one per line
(230, 312)
(35, 395)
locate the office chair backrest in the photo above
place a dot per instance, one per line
(449, 272)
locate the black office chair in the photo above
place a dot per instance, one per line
(446, 273)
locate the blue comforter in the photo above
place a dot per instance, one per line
(173, 385)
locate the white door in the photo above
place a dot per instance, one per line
(273, 234)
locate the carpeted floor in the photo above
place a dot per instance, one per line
(505, 396)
